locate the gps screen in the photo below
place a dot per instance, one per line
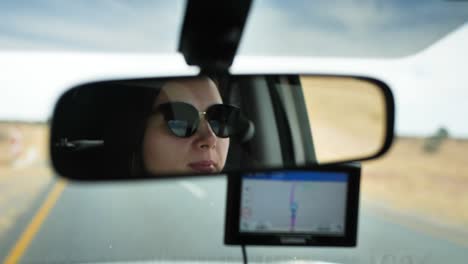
(294, 202)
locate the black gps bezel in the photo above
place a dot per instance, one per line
(233, 236)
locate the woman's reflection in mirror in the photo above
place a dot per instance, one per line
(187, 144)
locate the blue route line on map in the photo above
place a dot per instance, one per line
(293, 206)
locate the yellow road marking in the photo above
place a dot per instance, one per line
(27, 236)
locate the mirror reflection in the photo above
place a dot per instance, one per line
(189, 116)
(212, 124)
(347, 117)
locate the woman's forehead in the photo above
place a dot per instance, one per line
(200, 92)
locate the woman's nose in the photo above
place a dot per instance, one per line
(206, 137)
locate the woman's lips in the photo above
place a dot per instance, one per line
(203, 166)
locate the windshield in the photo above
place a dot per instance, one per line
(323, 28)
(413, 204)
(109, 26)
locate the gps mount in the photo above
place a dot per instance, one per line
(210, 39)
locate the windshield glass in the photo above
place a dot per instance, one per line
(105, 26)
(414, 200)
(350, 28)
(323, 28)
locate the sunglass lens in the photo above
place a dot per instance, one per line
(223, 120)
(182, 119)
(180, 128)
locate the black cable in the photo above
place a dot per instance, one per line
(244, 254)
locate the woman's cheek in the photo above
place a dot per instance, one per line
(224, 144)
(153, 149)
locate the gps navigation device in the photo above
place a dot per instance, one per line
(313, 206)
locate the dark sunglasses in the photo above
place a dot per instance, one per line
(183, 119)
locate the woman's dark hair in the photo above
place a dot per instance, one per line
(126, 126)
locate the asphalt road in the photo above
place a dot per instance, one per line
(183, 220)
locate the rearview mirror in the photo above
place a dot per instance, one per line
(140, 128)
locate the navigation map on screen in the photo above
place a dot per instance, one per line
(294, 202)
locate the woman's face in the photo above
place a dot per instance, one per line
(163, 152)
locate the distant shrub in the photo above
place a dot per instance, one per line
(432, 143)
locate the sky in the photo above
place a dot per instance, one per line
(87, 25)
(370, 28)
(382, 28)
(418, 48)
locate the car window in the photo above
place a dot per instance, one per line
(346, 116)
